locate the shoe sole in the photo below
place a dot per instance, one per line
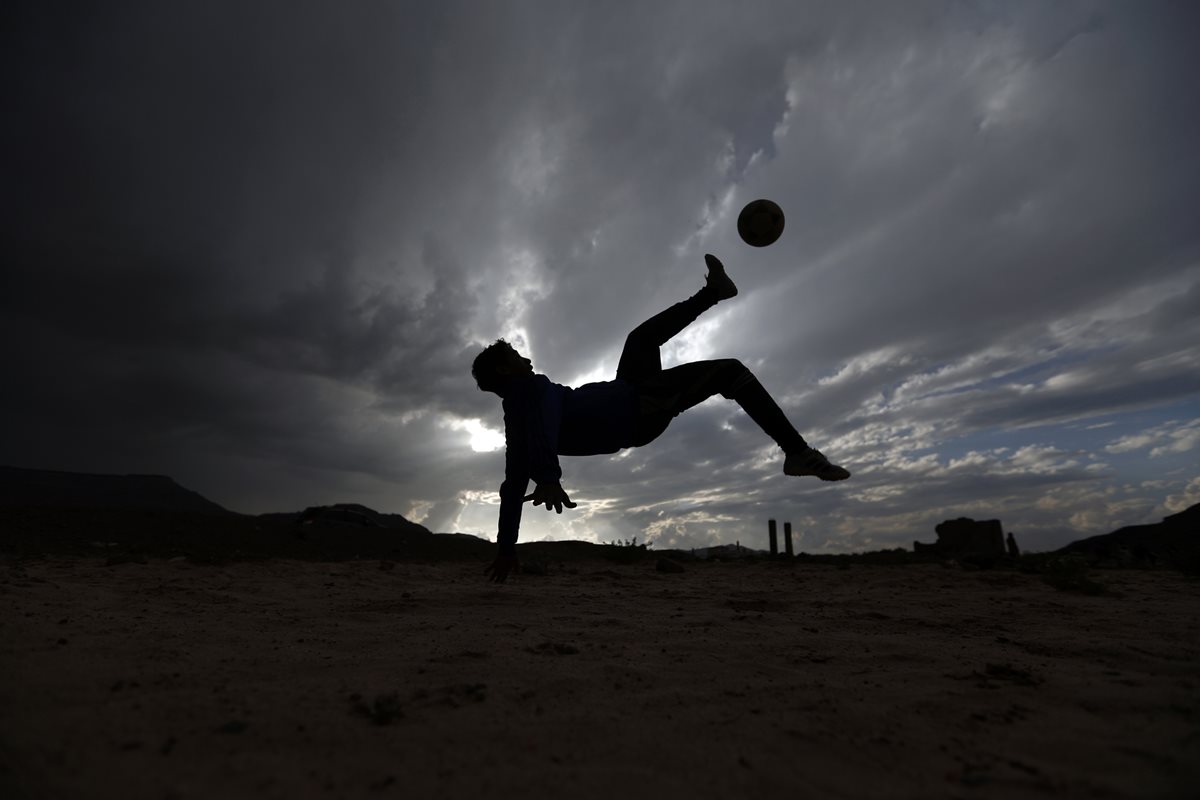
(822, 474)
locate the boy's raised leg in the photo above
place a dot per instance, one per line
(640, 358)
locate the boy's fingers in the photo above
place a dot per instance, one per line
(556, 503)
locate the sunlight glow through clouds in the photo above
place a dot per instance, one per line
(419, 510)
(603, 371)
(527, 283)
(696, 343)
(482, 439)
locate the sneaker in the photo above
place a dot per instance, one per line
(716, 280)
(811, 462)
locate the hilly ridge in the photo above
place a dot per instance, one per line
(1175, 540)
(44, 487)
(135, 516)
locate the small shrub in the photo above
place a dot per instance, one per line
(626, 552)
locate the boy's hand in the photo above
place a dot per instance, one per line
(498, 570)
(552, 495)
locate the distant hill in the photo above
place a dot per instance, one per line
(51, 488)
(134, 516)
(353, 527)
(727, 551)
(1175, 540)
(354, 515)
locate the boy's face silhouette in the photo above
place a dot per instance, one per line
(515, 365)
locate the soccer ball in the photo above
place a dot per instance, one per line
(760, 223)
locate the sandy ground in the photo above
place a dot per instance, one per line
(291, 679)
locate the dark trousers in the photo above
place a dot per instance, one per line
(666, 393)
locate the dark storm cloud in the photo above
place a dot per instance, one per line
(171, 160)
(188, 182)
(155, 131)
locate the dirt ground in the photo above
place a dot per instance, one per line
(294, 679)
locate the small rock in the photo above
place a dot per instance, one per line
(667, 565)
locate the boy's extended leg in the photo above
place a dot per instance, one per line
(640, 359)
(668, 393)
(673, 391)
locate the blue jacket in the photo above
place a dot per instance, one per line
(543, 420)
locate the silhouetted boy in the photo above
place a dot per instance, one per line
(543, 420)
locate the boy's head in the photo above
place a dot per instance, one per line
(498, 364)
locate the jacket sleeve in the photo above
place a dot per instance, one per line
(511, 493)
(531, 418)
(545, 416)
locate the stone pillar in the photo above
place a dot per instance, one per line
(773, 537)
(787, 538)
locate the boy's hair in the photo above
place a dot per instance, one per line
(484, 368)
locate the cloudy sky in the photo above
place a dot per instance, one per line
(255, 246)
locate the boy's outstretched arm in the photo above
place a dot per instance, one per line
(511, 499)
(532, 413)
